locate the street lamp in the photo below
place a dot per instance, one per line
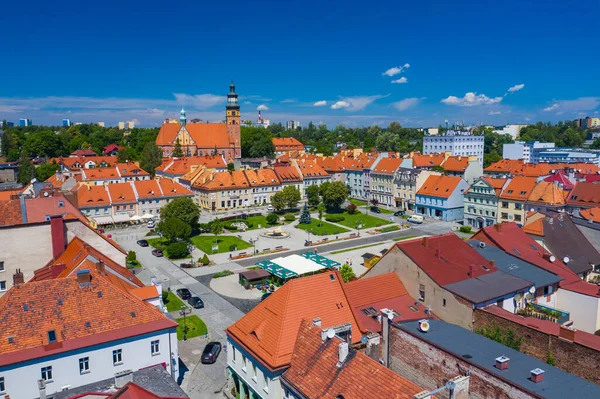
(184, 323)
(358, 226)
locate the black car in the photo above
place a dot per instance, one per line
(158, 253)
(399, 213)
(195, 302)
(211, 352)
(184, 293)
(265, 296)
(142, 243)
(375, 209)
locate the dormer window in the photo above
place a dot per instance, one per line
(51, 336)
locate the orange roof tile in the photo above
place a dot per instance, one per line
(38, 208)
(314, 371)
(261, 177)
(592, 214)
(147, 292)
(439, 186)
(181, 166)
(287, 143)
(28, 311)
(508, 166)
(131, 169)
(10, 213)
(121, 192)
(519, 188)
(310, 169)
(100, 174)
(205, 135)
(170, 188)
(427, 160)
(222, 180)
(269, 330)
(585, 194)
(536, 170)
(6, 195)
(147, 189)
(92, 196)
(287, 174)
(536, 227)
(387, 166)
(75, 163)
(547, 193)
(456, 164)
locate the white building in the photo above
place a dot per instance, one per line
(121, 125)
(458, 143)
(130, 125)
(432, 131)
(84, 330)
(513, 130)
(293, 125)
(528, 151)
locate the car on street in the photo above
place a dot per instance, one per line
(416, 219)
(270, 208)
(265, 296)
(195, 302)
(375, 209)
(151, 224)
(211, 352)
(399, 213)
(142, 243)
(158, 253)
(184, 293)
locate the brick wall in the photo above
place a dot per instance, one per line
(430, 368)
(568, 356)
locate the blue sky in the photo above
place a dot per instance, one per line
(333, 62)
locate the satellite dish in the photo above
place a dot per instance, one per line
(566, 259)
(482, 245)
(552, 258)
(330, 333)
(532, 290)
(364, 340)
(424, 325)
(531, 210)
(45, 193)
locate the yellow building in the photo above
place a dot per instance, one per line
(511, 203)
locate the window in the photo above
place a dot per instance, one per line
(517, 218)
(444, 302)
(504, 215)
(84, 365)
(504, 204)
(51, 336)
(154, 347)
(422, 294)
(233, 353)
(2, 386)
(244, 360)
(2, 286)
(2, 266)
(117, 357)
(47, 373)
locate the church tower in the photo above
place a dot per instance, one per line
(182, 118)
(233, 120)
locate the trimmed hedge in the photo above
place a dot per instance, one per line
(334, 218)
(178, 250)
(289, 217)
(230, 227)
(465, 229)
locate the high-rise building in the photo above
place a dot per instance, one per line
(129, 125)
(25, 122)
(121, 125)
(66, 122)
(527, 151)
(101, 124)
(456, 142)
(293, 125)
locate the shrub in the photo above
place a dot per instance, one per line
(334, 218)
(351, 209)
(223, 274)
(178, 250)
(289, 217)
(465, 229)
(272, 218)
(231, 227)
(131, 256)
(204, 260)
(165, 295)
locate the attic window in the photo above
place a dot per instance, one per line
(88, 324)
(484, 267)
(332, 277)
(60, 301)
(11, 340)
(25, 307)
(132, 314)
(510, 191)
(534, 247)
(516, 251)
(523, 192)
(99, 294)
(51, 336)
(573, 197)
(61, 204)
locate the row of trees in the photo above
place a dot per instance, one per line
(331, 194)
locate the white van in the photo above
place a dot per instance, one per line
(416, 219)
(150, 224)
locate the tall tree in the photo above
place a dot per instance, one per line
(45, 170)
(335, 195)
(291, 196)
(174, 229)
(151, 158)
(183, 208)
(26, 169)
(177, 152)
(312, 195)
(278, 201)
(387, 141)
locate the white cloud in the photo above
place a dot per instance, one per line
(494, 113)
(200, 101)
(262, 107)
(527, 118)
(247, 102)
(471, 99)
(340, 105)
(321, 103)
(516, 88)
(551, 108)
(406, 66)
(405, 104)
(289, 101)
(401, 80)
(595, 112)
(393, 71)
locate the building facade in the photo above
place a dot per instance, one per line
(408, 182)
(442, 197)
(382, 180)
(481, 202)
(457, 143)
(512, 199)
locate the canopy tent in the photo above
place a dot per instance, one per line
(103, 220)
(297, 265)
(321, 260)
(135, 218)
(147, 216)
(121, 218)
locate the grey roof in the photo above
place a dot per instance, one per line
(483, 351)
(489, 286)
(155, 379)
(515, 266)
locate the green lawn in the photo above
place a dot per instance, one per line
(173, 303)
(321, 228)
(367, 221)
(162, 243)
(386, 211)
(205, 243)
(390, 228)
(358, 202)
(195, 327)
(404, 238)
(255, 221)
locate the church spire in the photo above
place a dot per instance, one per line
(182, 119)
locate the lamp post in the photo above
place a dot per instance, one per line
(184, 323)
(358, 226)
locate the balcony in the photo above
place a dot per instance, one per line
(544, 313)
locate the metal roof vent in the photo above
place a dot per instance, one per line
(537, 375)
(502, 362)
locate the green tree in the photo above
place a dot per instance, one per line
(312, 195)
(127, 154)
(26, 169)
(230, 167)
(321, 209)
(8, 143)
(335, 195)
(131, 256)
(291, 196)
(305, 215)
(184, 209)
(595, 145)
(177, 152)
(46, 170)
(216, 228)
(387, 142)
(272, 218)
(324, 187)
(278, 201)
(256, 142)
(347, 272)
(151, 158)
(177, 250)
(174, 229)
(395, 128)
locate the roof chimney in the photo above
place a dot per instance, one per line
(502, 363)
(342, 353)
(18, 277)
(425, 241)
(566, 333)
(471, 271)
(59, 235)
(493, 263)
(317, 321)
(498, 227)
(84, 277)
(537, 375)
(100, 267)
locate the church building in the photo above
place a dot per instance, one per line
(205, 138)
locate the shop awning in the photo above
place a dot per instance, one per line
(121, 218)
(321, 260)
(103, 220)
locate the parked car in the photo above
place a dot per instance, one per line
(211, 352)
(270, 208)
(151, 224)
(399, 213)
(416, 219)
(184, 293)
(142, 243)
(158, 253)
(375, 209)
(195, 302)
(265, 296)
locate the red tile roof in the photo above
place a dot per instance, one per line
(222, 181)
(28, 311)
(314, 371)
(387, 166)
(205, 135)
(112, 147)
(83, 153)
(535, 227)
(143, 293)
(10, 213)
(562, 179)
(439, 186)
(269, 330)
(170, 188)
(287, 174)
(100, 174)
(88, 196)
(507, 166)
(446, 258)
(519, 188)
(261, 177)
(456, 164)
(310, 169)
(121, 193)
(76, 163)
(131, 169)
(547, 193)
(287, 144)
(592, 214)
(6, 195)
(37, 209)
(427, 160)
(585, 194)
(147, 189)
(182, 166)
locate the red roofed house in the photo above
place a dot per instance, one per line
(73, 331)
(583, 196)
(383, 176)
(511, 205)
(284, 145)
(83, 153)
(289, 176)
(468, 168)
(205, 138)
(481, 201)
(112, 149)
(442, 197)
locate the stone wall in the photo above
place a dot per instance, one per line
(569, 356)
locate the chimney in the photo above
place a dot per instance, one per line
(58, 234)
(566, 333)
(493, 263)
(18, 277)
(100, 267)
(498, 227)
(342, 353)
(317, 321)
(84, 277)
(385, 334)
(537, 375)
(425, 241)
(502, 363)
(123, 377)
(42, 388)
(373, 346)
(471, 271)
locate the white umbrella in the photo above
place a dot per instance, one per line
(135, 218)
(147, 216)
